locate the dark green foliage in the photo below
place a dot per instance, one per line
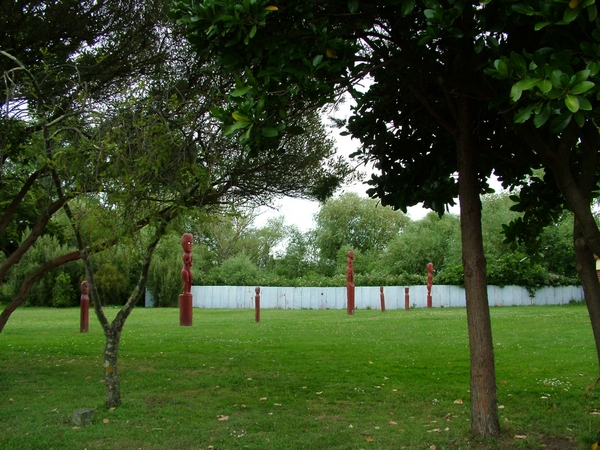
(41, 294)
(113, 285)
(236, 271)
(516, 269)
(451, 274)
(63, 294)
(164, 280)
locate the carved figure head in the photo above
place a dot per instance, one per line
(186, 242)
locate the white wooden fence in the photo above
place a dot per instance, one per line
(368, 297)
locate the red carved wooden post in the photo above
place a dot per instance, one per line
(350, 283)
(257, 304)
(382, 298)
(406, 300)
(185, 299)
(84, 304)
(429, 283)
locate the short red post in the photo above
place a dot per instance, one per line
(406, 300)
(185, 310)
(257, 304)
(84, 304)
(382, 298)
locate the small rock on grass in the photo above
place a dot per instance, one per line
(84, 416)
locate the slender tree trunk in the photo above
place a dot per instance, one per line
(112, 331)
(586, 268)
(484, 404)
(111, 368)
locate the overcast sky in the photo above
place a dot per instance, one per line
(300, 212)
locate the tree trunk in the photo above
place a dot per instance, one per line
(111, 368)
(584, 256)
(112, 331)
(586, 268)
(577, 193)
(484, 407)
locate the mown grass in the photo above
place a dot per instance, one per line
(298, 380)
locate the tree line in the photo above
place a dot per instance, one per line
(390, 249)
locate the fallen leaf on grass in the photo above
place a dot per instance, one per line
(319, 393)
(458, 401)
(75, 428)
(112, 409)
(435, 430)
(223, 418)
(369, 439)
(520, 436)
(391, 422)
(262, 399)
(594, 413)
(105, 420)
(88, 377)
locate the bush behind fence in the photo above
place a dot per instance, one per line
(367, 297)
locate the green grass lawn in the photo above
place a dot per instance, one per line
(302, 379)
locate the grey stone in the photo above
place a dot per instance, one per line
(82, 417)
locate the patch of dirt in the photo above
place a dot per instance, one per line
(508, 442)
(552, 443)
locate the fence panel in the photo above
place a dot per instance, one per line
(368, 297)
